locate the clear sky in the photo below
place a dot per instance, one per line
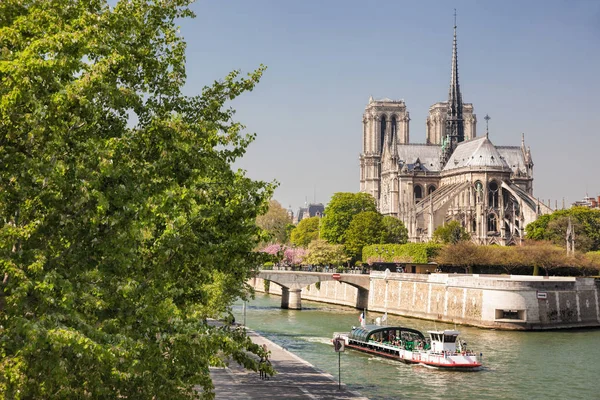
(533, 66)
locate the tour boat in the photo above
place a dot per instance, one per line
(442, 349)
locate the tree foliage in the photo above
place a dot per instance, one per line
(594, 259)
(306, 231)
(123, 225)
(552, 227)
(322, 253)
(340, 211)
(283, 255)
(275, 221)
(365, 228)
(401, 253)
(462, 253)
(396, 231)
(536, 255)
(452, 232)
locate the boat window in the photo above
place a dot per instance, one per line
(449, 338)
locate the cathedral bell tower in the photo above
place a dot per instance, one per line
(385, 125)
(455, 127)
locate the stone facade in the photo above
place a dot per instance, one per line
(455, 175)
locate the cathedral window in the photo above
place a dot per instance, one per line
(418, 193)
(394, 130)
(505, 197)
(493, 194)
(492, 223)
(478, 191)
(430, 189)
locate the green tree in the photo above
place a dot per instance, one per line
(452, 232)
(396, 231)
(322, 253)
(365, 228)
(409, 252)
(124, 226)
(289, 228)
(275, 222)
(340, 211)
(306, 231)
(552, 227)
(557, 233)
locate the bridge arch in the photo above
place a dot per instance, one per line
(292, 282)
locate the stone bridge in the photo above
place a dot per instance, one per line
(292, 282)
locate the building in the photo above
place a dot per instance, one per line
(309, 210)
(589, 202)
(454, 175)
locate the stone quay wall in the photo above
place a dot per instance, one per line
(489, 301)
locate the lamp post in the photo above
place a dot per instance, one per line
(244, 309)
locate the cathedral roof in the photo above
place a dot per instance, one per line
(478, 152)
(427, 154)
(513, 155)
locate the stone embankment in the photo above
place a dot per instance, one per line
(511, 302)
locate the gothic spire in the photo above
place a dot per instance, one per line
(454, 96)
(454, 120)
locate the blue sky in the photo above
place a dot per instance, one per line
(533, 66)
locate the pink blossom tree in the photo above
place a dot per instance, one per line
(286, 256)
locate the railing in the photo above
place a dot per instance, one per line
(314, 268)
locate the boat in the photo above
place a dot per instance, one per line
(442, 349)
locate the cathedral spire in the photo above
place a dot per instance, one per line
(454, 96)
(454, 120)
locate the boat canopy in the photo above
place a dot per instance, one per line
(365, 333)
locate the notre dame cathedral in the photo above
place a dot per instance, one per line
(454, 175)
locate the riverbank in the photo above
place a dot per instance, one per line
(295, 379)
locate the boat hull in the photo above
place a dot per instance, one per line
(455, 362)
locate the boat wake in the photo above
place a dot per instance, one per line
(315, 339)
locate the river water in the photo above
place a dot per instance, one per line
(518, 365)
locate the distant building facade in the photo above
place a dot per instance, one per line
(454, 175)
(308, 211)
(589, 202)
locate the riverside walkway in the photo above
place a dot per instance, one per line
(295, 379)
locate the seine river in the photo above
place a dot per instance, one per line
(518, 365)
